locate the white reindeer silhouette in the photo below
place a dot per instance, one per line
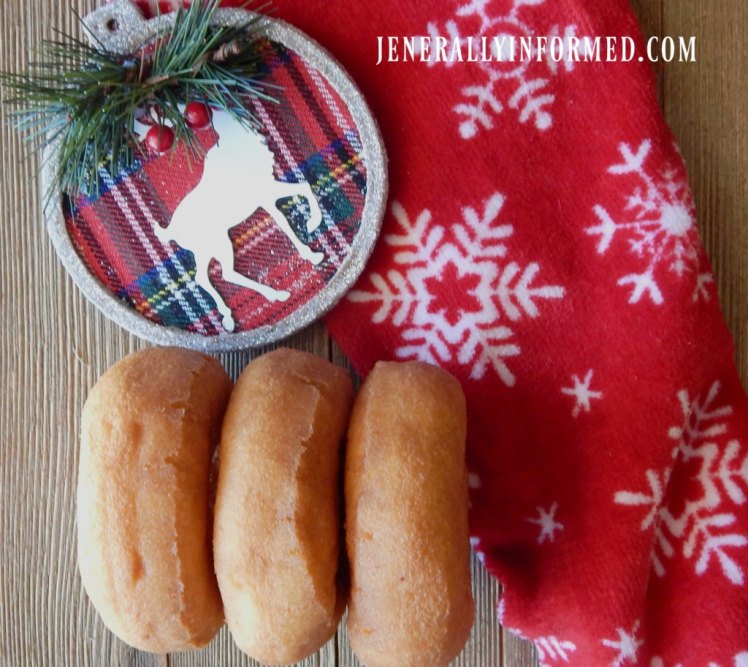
(237, 180)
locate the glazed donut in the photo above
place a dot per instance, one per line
(149, 430)
(277, 519)
(406, 500)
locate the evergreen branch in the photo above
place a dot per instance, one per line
(85, 99)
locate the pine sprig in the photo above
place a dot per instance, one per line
(84, 99)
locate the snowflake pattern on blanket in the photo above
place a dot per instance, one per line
(708, 482)
(658, 225)
(507, 82)
(434, 260)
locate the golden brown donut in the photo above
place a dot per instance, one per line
(277, 521)
(149, 429)
(406, 499)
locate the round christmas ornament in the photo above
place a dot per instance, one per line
(233, 209)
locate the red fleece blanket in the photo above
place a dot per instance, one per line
(540, 244)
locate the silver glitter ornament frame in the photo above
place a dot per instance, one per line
(120, 27)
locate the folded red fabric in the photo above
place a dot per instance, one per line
(541, 245)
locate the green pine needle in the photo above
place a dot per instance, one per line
(84, 99)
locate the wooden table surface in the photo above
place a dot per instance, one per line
(53, 346)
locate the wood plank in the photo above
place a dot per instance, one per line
(485, 646)
(46, 619)
(650, 15)
(705, 104)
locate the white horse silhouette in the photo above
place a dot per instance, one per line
(237, 180)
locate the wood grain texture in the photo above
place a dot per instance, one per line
(53, 346)
(705, 104)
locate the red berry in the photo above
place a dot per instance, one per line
(197, 115)
(160, 138)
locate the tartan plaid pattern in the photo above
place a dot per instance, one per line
(314, 139)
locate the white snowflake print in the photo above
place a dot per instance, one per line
(713, 470)
(456, 300)
(627, 644)
(546, 519)
(525, 86)
(582, 393)
(659, 227)
(553, 650)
